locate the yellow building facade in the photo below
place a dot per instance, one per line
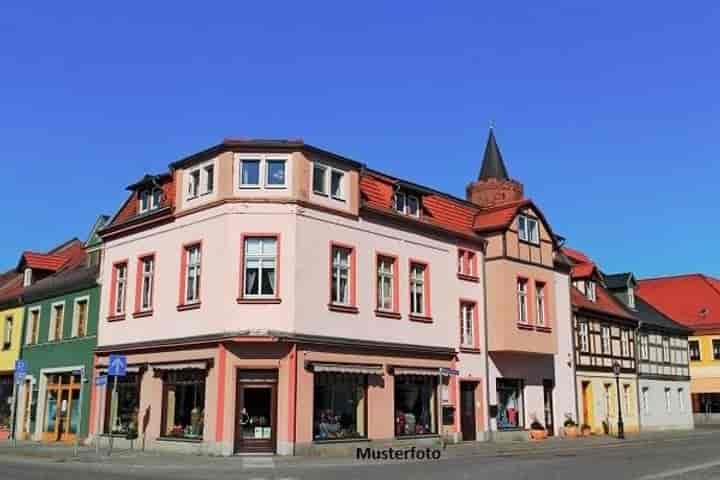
(11, 325)
(705, 373)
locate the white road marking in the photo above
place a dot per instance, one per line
(681, 471)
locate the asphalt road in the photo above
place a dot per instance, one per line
(687, 458)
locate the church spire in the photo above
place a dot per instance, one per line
(493, 165)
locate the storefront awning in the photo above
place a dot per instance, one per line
(347, 368)
(416, 371)
(129, 369)
(201, 365)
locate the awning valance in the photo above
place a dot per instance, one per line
(201, 365)
(416, 371)
(346, 368)
(129, 369)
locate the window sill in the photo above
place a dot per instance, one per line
(341, 440)
(188, 306)
(470, 350)
(388, 314)
(116, 318)
(334, 307)
(259, 301)
(525, 326)
(179, 439)
(420, 318)
(417, 435)
(469, 278)
(543, 329)
(529, 242)
(145, 313)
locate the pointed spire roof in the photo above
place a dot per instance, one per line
(493, 165)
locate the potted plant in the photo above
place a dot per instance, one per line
(585, 430)
(570, 427)
(537, 431)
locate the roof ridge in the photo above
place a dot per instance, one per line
(667, 277)
(707, 280)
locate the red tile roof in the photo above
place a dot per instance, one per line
(692, 300)
(129, 209)
(576, 255)
(43, 261)
(498, 218)
(583, 266)
(605, 303)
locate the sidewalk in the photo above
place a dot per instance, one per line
(59, 453)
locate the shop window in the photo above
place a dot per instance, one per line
(415, 405)
(510, 403)
(184, 404)
(340, 409)
(124, 419)
(6, 391)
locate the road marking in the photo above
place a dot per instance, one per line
(681, 471)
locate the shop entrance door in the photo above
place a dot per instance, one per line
(256, 412)
(62, 408)
(467, 410)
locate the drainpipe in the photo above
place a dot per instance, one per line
(488, 421)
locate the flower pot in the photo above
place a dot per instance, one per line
(571, 431)
(586, 432)
(538, 434)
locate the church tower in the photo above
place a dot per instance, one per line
(493, 187)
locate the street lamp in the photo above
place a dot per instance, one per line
(621, 428)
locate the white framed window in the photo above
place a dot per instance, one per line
(150, 199)
(7, 333)
(57, 321)
(644, 355)
(120, 288)
(200, 181)
(584, 336)
(466, 263)
(625, 343)
(337, 184)
(192, 274)
(681, 399)
(341, 275)
(147, 277)
(209, 178)
(193, 185)
(250, 172)
(328, 181)
(645, 399)
(467, 324)
(417, 289)
(540, 304)
(27, 277)
(319, 180)
(260, 258)
(385, 283)
(407, 204)
(605, 339)
(275, 174)
(528, 229)
(668, 400)
(522, 300)
(33, 328)
(80, 316)
(666, 349)
(591, 290)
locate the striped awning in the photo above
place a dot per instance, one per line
(416, 371)
(201, 365)
(346, 368)
(129, 369)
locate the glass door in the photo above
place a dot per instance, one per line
(255, 416)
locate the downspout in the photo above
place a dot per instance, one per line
(488, 422)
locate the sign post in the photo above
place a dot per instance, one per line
(100, 381)
(117, 367)
(20, 373)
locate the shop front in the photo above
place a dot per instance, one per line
(6, 392)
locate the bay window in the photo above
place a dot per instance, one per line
(260, 266)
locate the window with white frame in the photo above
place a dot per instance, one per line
(147, 272)
(27, 277)
(7, 333)
(631, 298)
(193, 183)
(262, 170)
(341, 275)
(605, 339)
(417, 289)
(385, 283)
(583, 336)
(80, 317)
(260, 257)
(328, 181)
(56, 322)
(466, 262)
(467, 324)
(591, 290)
(694, 347)
(666, 349)
(644, 347)
(528, 229)
(275, 172)
(337, 184)
(668, 400)
(625, 342)
(645, 399)
(33, 328)
(540, 304)
(192, 274)
(120, 288)
(407, 204)
(250, 172)
(150, 199)
(319, 179)
(201, 181)
(522, 300)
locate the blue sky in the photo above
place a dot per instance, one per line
(609, 114)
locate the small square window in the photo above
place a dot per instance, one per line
(319, 176)
(336, 184)
(275, 172)
(250, 173)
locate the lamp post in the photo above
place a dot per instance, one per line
(621, 427)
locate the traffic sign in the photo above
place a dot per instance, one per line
(20, 370)
(101, 380)
(117, 366)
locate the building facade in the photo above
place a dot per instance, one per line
(11, 317)
(693, 301)
(605, 336)
(271, 296)
(663, 365)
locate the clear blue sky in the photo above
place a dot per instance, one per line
(608, 114)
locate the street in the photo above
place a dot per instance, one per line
(690, 456)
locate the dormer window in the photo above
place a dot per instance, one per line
(150, 199)
(407, 204)
(590, 290)
(27, 277)
(528, 229)
(201, 181)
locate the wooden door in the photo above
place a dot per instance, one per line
(467, 410)
(587, 403)
(256, 412)
(62, 408)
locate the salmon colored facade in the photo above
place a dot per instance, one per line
(271, 296)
